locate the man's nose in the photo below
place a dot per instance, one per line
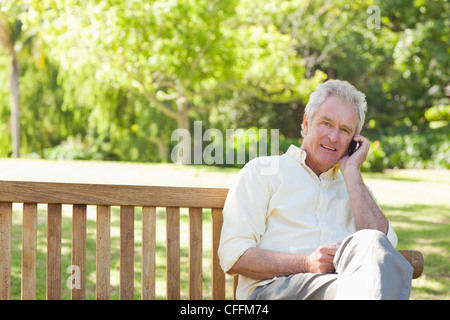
(333, 135)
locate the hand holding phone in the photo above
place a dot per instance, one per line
(357, 152)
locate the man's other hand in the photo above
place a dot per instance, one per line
(321, 260)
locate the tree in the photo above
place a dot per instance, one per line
(187, 58)
(172, 53)
(118, 77)
(275, 79)
(9, 32)
(18, 40)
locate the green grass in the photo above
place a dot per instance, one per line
(417, 203)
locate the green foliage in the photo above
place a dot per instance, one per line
(438, 113)
(428, 149)
(376, 159)
(113, 79)
(438, 116)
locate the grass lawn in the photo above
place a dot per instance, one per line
(416, 202)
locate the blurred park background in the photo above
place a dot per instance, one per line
(111, 80)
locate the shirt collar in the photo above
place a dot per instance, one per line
(300, 155)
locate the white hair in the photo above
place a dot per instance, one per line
(346, 92)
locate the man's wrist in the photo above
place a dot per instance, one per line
(302, 264)
(351, 172)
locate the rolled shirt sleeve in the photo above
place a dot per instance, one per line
(244, 214)
(391, 235)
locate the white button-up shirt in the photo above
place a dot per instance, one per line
(279, 204)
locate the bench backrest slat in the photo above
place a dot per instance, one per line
(29, 240)
(103, 258)
(5, 249)
(54, 227)
(113, 195)
(218, 280)
(126, 288)
(173, 253)
(195, 253)
(79, 224)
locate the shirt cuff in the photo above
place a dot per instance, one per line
(230, 253)
(391, 235)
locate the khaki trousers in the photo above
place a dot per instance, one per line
(367, 267)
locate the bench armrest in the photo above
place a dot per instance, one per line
(415, 258)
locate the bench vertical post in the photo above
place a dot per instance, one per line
(173, 253)
(29, 250)
(103, 252)
(78, 290)
(126, 253)
(195, 253)
(148, 253)
(54, 222)
(218, 276)
(5, 249)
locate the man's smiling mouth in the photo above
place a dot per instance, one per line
(328, 147)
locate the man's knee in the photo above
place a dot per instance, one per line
(370, 266)
(370, 247)
(361, 244)
(369, 236)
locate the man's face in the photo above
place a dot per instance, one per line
(329, 133)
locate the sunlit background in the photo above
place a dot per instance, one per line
(111, 80)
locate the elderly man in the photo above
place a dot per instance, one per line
(306, 230)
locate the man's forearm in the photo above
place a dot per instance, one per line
(366, 212)
(262, 264)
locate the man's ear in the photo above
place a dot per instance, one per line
(305, 124)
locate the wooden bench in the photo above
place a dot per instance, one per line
(127, 197)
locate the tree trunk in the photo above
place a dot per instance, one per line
(163, 149)
(183, 113)
(15, 117)
(183, 123)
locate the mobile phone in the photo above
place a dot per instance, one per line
(352, 147)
